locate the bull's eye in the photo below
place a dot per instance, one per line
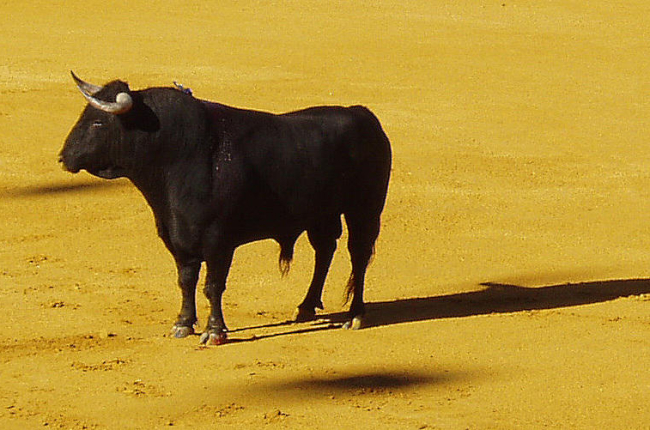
(97, 124)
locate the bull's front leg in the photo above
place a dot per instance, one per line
(215, 284)
(188, 276)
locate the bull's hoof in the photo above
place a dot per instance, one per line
(355, 324)
(180, 331)
(214, 338)
(304, 315)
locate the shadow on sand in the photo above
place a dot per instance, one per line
(494, 298)
(351, 383)
(54, 189)
(501, 298)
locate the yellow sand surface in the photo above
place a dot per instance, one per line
(510, 288)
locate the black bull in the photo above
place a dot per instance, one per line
(217, 177)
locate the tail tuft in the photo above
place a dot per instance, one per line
(284, 262)
(285, 265)
(286, 255)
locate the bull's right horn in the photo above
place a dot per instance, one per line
(123, 101)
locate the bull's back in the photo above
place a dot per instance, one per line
(312, 160)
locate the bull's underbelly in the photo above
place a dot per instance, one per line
(267, 217)
(282, 228)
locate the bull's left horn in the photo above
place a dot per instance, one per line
(84, 86)
(122, 104)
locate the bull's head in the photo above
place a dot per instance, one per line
(94, 142)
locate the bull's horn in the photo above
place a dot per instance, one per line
(85, 87)
(122, 104)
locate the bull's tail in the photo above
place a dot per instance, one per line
(352, 282)
(286, 256)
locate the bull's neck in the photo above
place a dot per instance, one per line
(155, 195)
(178, 172)
(171, 186)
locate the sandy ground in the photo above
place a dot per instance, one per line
(510, 287)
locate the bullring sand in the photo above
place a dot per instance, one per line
(510, 286)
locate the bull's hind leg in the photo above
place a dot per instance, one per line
(188, 276)
(323, 238)
(363, 232)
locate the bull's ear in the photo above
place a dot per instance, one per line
(122, 104)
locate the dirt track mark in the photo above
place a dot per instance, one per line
(42, 346)
(105, 365)
(139, 388)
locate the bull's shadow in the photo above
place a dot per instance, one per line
(499, 298)
(54, 189)
(494, 298)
